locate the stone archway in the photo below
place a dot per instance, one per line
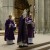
(19, 6)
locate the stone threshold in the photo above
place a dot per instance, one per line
(46, 48)
(33, 46)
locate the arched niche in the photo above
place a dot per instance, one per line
(19, 6)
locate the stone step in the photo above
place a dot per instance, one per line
(35, 47)
(45, 47)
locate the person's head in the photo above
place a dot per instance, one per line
(24, 13)
(28, 12)
(30, 15)
(10, 17)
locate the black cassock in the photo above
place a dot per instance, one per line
(9, 30)
(22, 35)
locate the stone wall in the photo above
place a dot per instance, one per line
(39, 15)
(6, 8)
(47, 16)
(42, 16)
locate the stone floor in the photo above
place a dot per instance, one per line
(41, 42)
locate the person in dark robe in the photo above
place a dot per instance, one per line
(22, 35)
(30, 28)
(9, 30)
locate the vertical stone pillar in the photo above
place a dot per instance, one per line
(1, 14)
(39, 15)
(47, 16)
(36, 15)
(7, 9)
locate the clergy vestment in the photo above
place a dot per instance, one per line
(9, 30)
(30, 29)
(22, 35)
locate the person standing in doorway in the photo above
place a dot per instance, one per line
(22, 35)
(9, 31)
(30, 27)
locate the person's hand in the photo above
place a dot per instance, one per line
(15, 25)
(9, 25)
